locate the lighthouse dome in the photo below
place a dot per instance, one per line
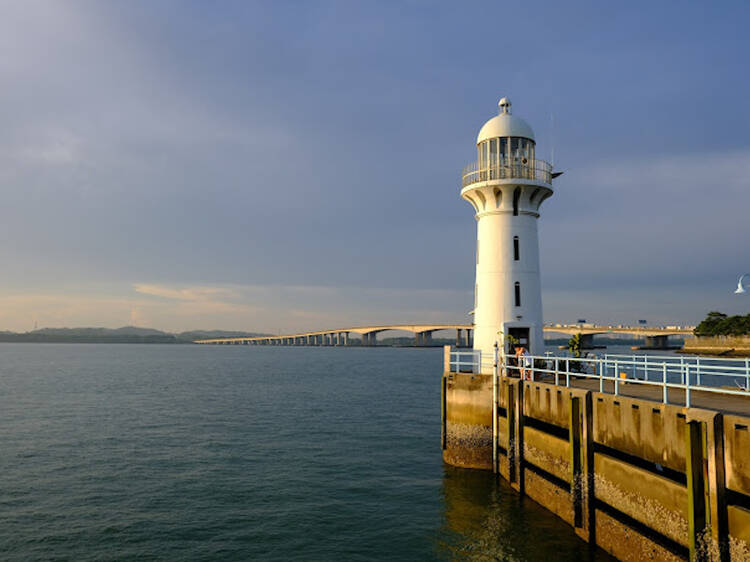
(505, 125)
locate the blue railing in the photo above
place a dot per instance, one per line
(687, 373)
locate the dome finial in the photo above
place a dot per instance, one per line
(504, 105)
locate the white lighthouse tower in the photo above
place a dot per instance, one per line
(506, 186)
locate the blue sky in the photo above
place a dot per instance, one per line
(281, 166)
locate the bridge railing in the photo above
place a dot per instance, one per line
(689, 374)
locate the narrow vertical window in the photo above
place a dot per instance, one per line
(516, 198)
(518, 293)
(516, 250)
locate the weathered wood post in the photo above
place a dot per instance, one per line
(518, 467)
(588, 500)
(715, 536)
(510, 412)
(576, 462)
(695, 453)
(580, 431)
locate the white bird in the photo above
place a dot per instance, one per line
(740, 288)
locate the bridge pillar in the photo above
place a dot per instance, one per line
(346, 338)
(417, 339)
(338, 338)
(656, 342)
(458, 337)
(426, 338)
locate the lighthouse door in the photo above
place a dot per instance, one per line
(519, 334)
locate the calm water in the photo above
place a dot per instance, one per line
(118, 452)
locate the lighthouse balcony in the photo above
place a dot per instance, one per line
(535, 170)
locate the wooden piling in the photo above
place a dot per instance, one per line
(695, 453)
(576, 460)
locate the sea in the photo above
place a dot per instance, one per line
(187, 452)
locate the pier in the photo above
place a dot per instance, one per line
(639, 454)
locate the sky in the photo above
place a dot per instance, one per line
(284, 166)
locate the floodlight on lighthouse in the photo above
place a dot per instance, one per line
(740, 288)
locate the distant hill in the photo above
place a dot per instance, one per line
(210, 334)
(126, 334)
(124, 331)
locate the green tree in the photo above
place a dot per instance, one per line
(575, 347)
(719, 324)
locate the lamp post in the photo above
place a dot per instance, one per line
(740, 289)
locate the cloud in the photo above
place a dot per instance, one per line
(668, 221)
(190, 294)
(260, 308)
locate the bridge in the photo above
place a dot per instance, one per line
(422, 336)
(655, 337)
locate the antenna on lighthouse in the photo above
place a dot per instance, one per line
(552, 138)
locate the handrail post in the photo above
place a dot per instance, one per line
(687, 386)
(567, 372)
(698, 370)
(557, 371)
(747, 375)
(664, 383)
(602, 372)
(617, 380)
(645, 368)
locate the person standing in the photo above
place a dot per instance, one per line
(528, 364)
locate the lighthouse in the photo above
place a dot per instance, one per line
(506, 186)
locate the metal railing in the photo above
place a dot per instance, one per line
(687, 373)
(506, 169)
(466, 361)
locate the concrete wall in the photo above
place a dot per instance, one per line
(718, 344)
(467, 424)
(643, 480)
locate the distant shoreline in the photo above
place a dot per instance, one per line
(126, 334)
(39, 338)
(172, 339)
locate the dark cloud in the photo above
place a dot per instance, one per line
(319, 145)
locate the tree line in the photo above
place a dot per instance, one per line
(719, 324)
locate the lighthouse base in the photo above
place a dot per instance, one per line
(467, 420)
